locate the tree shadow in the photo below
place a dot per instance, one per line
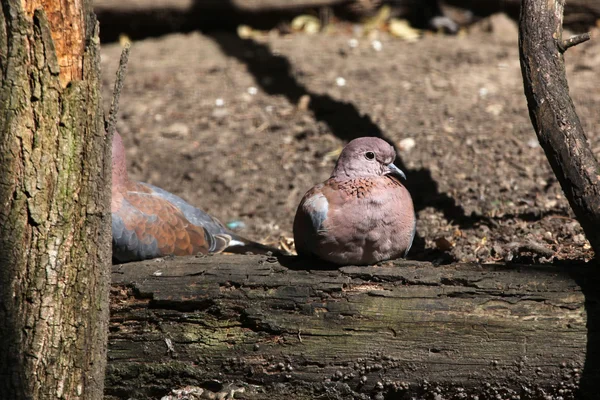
(275, 76)
(298, 263)
(589, 282)
(157, 21)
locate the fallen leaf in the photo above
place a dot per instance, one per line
(246, 32)
(124, 40)
(443, 244)
(378, 20)
(307, 24)
(401, 29)
(303, 102)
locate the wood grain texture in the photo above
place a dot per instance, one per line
(403, 328)
(66, 24)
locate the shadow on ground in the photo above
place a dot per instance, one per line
(590, 375)
(274, 74)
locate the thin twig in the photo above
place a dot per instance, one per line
(114, 105)
(573, 41)
(531, 247)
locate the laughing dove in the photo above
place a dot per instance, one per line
(362, 214)
(149, 222)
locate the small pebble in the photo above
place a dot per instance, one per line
(340, 81)
(579, 238)
(407, 144)
(176, 130)
(377, 45)
(235, 225)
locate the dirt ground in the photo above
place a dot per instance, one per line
(242, 128)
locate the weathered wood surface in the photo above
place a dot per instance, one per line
(354, 332)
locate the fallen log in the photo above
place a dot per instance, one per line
(289, 329)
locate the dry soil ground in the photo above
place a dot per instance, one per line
(242, 128)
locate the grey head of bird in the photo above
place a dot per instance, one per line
(367, 157)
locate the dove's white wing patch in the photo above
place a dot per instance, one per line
(317, 207)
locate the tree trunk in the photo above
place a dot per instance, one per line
(398, 330)
(553, 115)
(54, 196)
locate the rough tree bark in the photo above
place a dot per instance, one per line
(54, 203)
(398, 330)
(552, 112)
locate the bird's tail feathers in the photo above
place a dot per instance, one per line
(220, 242)
(241, 245)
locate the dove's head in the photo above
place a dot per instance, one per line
(366, 157)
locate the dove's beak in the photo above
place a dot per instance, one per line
(395, 171)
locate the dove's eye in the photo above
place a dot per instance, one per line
(370, 155)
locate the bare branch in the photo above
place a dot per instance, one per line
(531, 246)
(563, 45)
(553, 114)
(114, 105)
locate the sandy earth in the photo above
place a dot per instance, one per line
(242, 128)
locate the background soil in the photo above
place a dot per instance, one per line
(223, 122)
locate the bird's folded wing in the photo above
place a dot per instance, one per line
(146, 225)
(310, 219)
